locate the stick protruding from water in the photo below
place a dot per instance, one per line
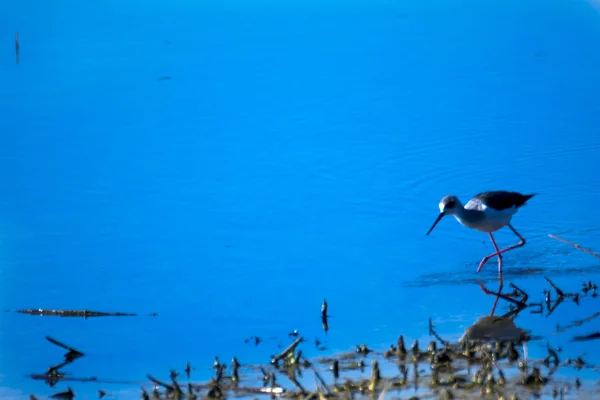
(17, 46)
(575, 245)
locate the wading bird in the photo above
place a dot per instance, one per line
(486, 212)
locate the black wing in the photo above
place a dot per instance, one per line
(503, 199)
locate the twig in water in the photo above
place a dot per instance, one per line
(335, 368)
(321, 381)
(74, 313)
(160, 383)
(17, 46)
(559, 292)
(383, 392)
(176, 385)
(432, 332)
(287, 350)
(375, 375)
(291, 376)
(575, 245)
(71, 355)
(235, 365)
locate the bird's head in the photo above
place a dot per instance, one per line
(448, 206)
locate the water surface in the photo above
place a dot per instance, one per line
(297, 152)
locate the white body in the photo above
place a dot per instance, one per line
(478, 216)
(491, 221)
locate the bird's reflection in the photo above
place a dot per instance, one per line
(500, 328)
(517, 298)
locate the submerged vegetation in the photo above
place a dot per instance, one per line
(490, 360)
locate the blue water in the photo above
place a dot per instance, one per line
(298, 152)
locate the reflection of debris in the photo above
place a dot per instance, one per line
(53, 375)
(325, 324)
(490, 329)
(552, 358)
(485, 360)
(578, 363)
(559, 292)
(577, 323)
(587, 286)
(256, 340)
(591, 336)
(516, 305)
(519, 305)
(102, 394)
(68, 394)
(535, 378)
(324, 316)
(163, 78)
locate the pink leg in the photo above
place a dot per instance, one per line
(499, 253)
(498, 295)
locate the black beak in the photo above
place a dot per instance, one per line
(439, 217)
